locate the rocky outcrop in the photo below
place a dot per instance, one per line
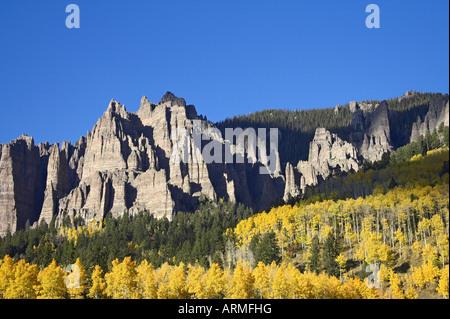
(377, 139)
(371, 130)
(127, 163)
(327, 153)
(21, 184)
(438, 113)
(292, 186)
(57, 185)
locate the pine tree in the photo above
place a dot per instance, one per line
(267, 250)
(330, 253)
(314, 258)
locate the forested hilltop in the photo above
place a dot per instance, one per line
(323, 245)
(297, 127)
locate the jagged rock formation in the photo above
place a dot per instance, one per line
(437, 114)
(377, 140)
(371, 131)
(327, 152)
(21, 183)
(127, 164)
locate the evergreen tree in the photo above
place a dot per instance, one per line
(314, 258)
(330, 253)
(267, 249)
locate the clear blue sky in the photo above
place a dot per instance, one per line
(225, 57)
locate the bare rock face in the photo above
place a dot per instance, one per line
(327, 152)
(57, 184)
(437, 114)
(21, 184)
(126, 164)
(353, 106)
(377, 138)
(293, 183)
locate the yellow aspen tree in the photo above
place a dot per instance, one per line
(418, 277)
(355, 288)
(52, 282)
(332, 287)
(214, 282)
(162, 280)
(342, 262)
(300, 284)
(121, 282)
(396, 290)
(317, 286)
(384, 274)
(146, 280)
(296, 285)
(411, 293)
(400, 238)
(228, 279)
(195, 283)
(416, 249)
(6, 273)
(177, 283)
(385, 254)
(97, 290)
(262, 284)
(76, 281)
(429, 254)
(443, 244)
(430, 272)
(24, 281)
(280, 285)
(443, 285)
(242, 283)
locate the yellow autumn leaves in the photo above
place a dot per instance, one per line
(402, 225)
(126, 280)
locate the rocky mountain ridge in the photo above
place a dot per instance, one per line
(125, 164)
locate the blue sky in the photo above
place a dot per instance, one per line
(225, 57)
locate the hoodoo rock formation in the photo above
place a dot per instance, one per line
(124, 165)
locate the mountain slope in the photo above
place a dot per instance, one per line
(130, 162)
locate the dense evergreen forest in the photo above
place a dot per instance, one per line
(189, 237)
